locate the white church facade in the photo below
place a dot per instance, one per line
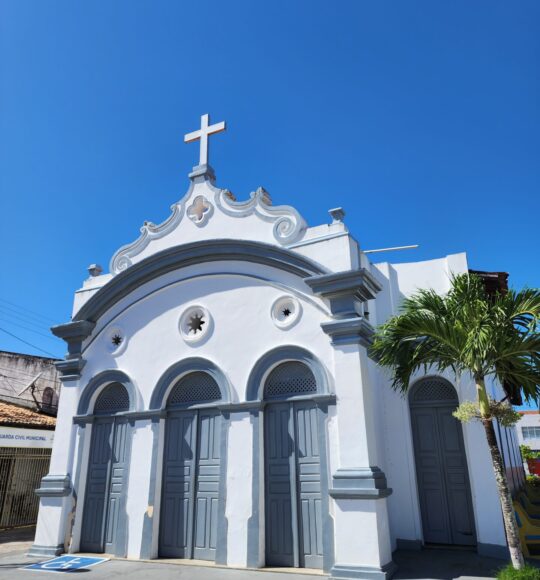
(219, 402)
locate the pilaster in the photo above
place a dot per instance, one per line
(358, 488)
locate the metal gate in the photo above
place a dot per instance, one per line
(21, 471)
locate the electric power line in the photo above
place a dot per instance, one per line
(28, 343)
(28, 328)
(6, 311)
(28, 310)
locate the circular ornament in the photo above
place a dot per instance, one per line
(116, 340)
(286, 311)
(195, 323)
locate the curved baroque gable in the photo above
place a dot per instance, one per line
(206, 204)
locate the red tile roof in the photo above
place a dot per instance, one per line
(15, 415)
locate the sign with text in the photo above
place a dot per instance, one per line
(18, 437)
(65, 564)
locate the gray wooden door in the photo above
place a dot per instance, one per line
(190, 492)
(443, 482)
(105, 488)
(293, 486)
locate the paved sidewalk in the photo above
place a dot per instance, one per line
(421, 565)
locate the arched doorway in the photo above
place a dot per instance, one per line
(104, 502)
(293, 443)
(441, 464)
(191, 469)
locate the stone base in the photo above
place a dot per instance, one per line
(352, 572)
(45, 551)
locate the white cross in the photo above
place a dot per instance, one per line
(203, 134)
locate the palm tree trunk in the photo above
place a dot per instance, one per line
(509, 519)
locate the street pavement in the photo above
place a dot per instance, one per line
(434, 564)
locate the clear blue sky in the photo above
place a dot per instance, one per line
(421, 119)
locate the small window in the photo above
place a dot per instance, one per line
(289, 379)
(196, 387)
(531, 432)
(113, 399)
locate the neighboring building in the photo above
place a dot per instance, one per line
(30, 381)
(26, 439)
(219, 402)
(29, 391)
(528, 429)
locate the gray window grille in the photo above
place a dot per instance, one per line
(196, 387)
(290, 378)
(434, 389)
(113, 399)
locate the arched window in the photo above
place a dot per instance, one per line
(431, 389)
(49, 399)
(289, 379)
(195, 387)
(113, 399)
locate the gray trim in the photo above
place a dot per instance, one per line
(100, 380)
(360, 282)
(253, 532)
(345, 290)
(328, 521)
(289, 225)
(73, 333)
(216, 274)
(493, 551)
(359, 493)
(355, 330)
(54, 486)
(350, 571)
(188, 365)
(185, 255)
(148, 522)
(281, 354)
(322, 400)
(361, 478)
(415, 545)
(70, 368)
(37, 551)
(223, 523)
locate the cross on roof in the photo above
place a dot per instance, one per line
(203, 134)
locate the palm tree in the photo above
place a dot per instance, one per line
(469, 331)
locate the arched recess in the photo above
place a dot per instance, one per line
(280, 355)
(293, 388)
(175, 372)
(104, 521)
(195, 253)
(441, 464)
(192, 497)
(99, 382)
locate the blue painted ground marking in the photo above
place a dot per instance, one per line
(65, 564)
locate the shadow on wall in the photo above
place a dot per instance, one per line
(444, 564)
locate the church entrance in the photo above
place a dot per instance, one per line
(441, 464)
(104, 503)
(292, 469)
(191, 471)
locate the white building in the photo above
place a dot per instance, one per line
(528, 429)
(219, 403)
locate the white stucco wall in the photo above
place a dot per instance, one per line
(368, 426)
